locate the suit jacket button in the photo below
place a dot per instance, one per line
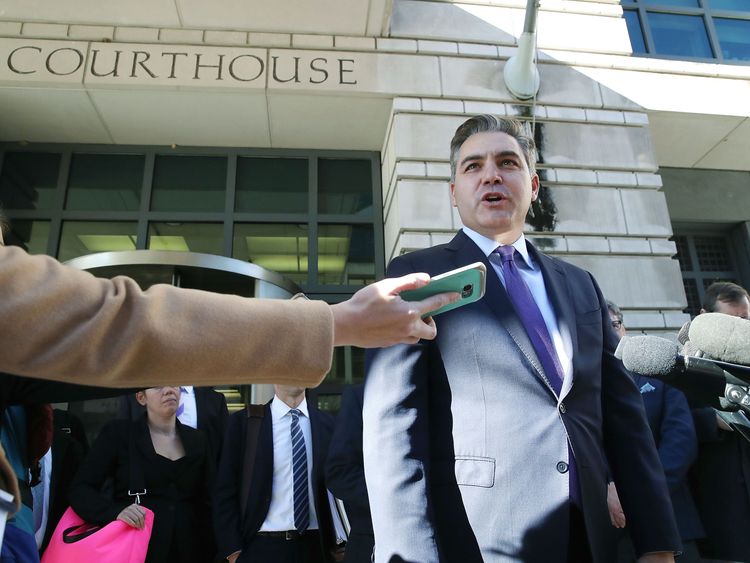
(562, 467)
(562, 408)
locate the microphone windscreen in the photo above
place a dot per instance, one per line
(621, 346)
(650, 355)
(722, 337)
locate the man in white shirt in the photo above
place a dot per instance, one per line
(282, 514)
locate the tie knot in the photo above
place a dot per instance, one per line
(506, 252)
(296, 413)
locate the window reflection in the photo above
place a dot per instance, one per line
(32, 236)
(734, 38)
(635, 31)
(680, 35)
(186, 237)
(282, 248)
(690, 29)
(189, 183)
(346, 254)
(685, 3)
(344, 186)
(106, 182)
(348, 365)
(29, 180)
(271, 185)
(87, 237)
(737, 5)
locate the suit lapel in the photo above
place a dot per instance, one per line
(561, 296)
(200, 408)
(262, 482)
(315, 433)
(498, 302)
(263, 471)
(142, 437)
(188, 440)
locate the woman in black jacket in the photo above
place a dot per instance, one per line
(174, 465)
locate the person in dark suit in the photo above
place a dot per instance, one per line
(177, 474)
(69, 448)
(345, 475)
(200, 407)
(285, 517)
(493, 443)
(720, 477)
(671, 424)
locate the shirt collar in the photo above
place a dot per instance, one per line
(279, 408)
(488, 245)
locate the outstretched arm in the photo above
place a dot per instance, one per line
(396, 451)
(64, 324)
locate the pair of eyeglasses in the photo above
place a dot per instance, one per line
(616, 324)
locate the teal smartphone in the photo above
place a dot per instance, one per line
(468, 281)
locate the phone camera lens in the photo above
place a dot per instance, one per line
(467, 291)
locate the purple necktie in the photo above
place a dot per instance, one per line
(533, 322)
(181, 408)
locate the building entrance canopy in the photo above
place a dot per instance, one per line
(190, 270)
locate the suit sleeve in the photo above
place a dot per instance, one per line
(632, 455)
(64, 324)
(86, 496)
(226, 497)
(678, 446)
(223, 415)
(706, 427)
(19, 390)
(396, 453)
(345, 470)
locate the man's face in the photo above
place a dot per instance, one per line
(493, 189)
(736, 309)
(617, 325)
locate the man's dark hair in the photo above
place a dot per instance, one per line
(490, 124)
(726, 292)
(614, 309)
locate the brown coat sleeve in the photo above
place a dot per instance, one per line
(60, 323)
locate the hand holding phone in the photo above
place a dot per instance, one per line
(468, 281)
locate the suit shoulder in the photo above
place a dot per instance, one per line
(325, 419)
(353, 394)
(430, 260)
(566, 266)
(197, 439)
(118, 428)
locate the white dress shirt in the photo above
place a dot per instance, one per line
(532, 276)
(280, 515)
(189, 415)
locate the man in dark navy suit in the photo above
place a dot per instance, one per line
(720, 477)
(671, 423)
(345, 475)
(285, 517)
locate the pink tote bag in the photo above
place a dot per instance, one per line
(75, 541)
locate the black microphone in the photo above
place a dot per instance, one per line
(702, 380)
(722, 336)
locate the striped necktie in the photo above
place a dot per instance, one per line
(299, 474)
